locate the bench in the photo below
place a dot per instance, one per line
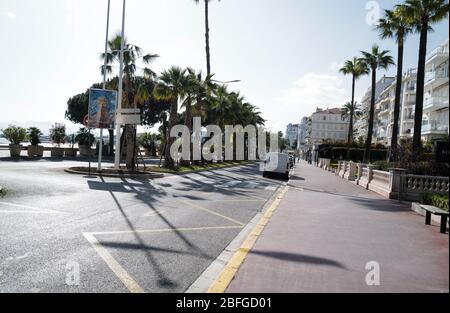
(429, 209)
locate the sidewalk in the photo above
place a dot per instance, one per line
(327, 229)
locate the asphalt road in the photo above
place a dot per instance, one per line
(120, 235)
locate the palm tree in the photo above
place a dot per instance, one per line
(356, 67)
(132, 92)
(421, 15)
(350, 111)
(208, 56)
(394, 25)
(172, 87)
(375, 59)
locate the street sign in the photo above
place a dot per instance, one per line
(441, 151)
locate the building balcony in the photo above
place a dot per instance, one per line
(434, 79)
(438, 55)
(435, 103)
(434, 128)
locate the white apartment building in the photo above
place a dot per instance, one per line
(361, 125)
(384, 110)
(327, 125)
(302, 132)
(292, 134)
(435, 107)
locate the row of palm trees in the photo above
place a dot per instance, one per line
(182, 88)
(412, 16)
(201, 97)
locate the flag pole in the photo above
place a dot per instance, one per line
(100, 145)
(119, 100)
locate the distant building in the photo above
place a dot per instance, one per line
(302, 132)
(384, 110)
(292, 134)
(361, 125)
(326, 126)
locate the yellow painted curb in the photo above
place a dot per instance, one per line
(226, 276)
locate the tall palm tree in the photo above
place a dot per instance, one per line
(375, 59)
(208, 56)
(172, 87)
(394, 25)
(351, 111)
(421, 15)
(132, 55)
(357, 68)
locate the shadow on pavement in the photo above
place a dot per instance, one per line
(301, 258)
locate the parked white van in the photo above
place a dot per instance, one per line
(276, 163)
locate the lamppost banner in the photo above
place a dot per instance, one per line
(102, 108)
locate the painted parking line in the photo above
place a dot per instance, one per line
(213, 212)
(115, 266)
(117, 269)
(29, 209)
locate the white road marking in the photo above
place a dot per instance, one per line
(30, 209)
(117, 269)
(120, 272)
(213, 212)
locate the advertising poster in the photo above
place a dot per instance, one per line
(102, 108)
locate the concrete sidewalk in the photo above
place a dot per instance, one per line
(327, 229)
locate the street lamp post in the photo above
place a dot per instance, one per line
(119, 100)
(100, 145)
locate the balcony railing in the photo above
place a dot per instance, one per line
(429, 76)
(440, 51)
(437, 102)
(433, 126)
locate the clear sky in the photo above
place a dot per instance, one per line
(286, 52)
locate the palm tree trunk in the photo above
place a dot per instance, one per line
(111, 142)
(393, 156)
(208, 61)
(350, 127)
(173, 120)
(417, 139)
(371, 116)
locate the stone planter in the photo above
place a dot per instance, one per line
(86, 151)
(57, 152)
(35, 151)
(70, 152)
(15, 150)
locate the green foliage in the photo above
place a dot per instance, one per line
(58, 133)
(14, 134)
(149, 142)
(84, 137)
(437, 200)
(33, 134)
(71, 139)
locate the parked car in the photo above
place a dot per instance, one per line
(278, 164)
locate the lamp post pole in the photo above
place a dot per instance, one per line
(119, 100)
(100, 145)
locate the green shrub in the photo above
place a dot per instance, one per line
(84, 137)
(14, 134)
(58, 133)
(33, 134)
(437, 200)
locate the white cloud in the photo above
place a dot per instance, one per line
(316, 90)
(310, 91)
(10, 15)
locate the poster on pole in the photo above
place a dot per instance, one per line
(102, 108)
